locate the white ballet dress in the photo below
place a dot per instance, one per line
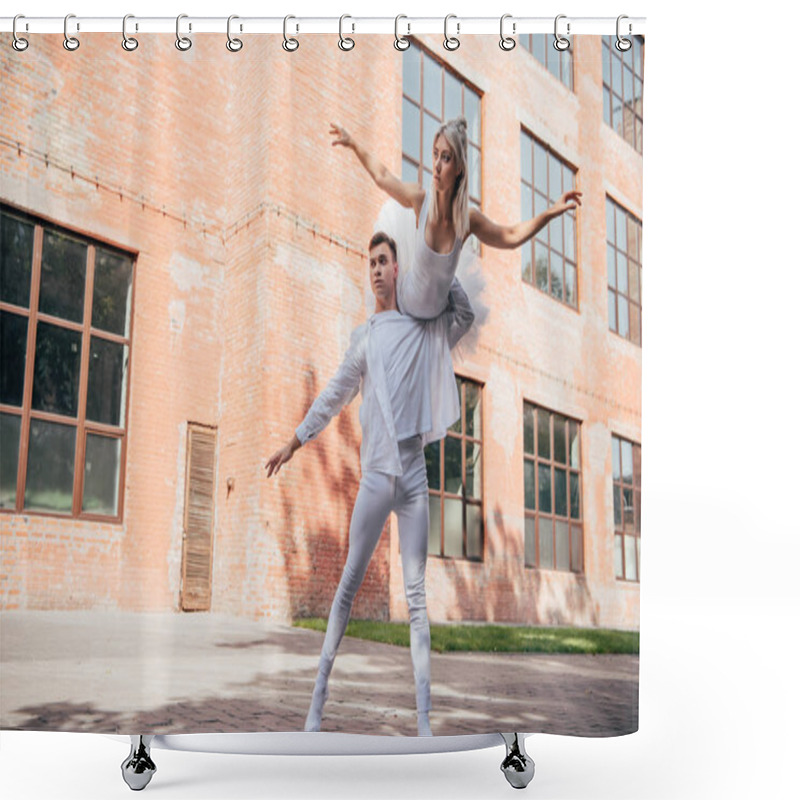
(424, 283)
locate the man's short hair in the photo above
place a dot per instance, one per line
(383, 238)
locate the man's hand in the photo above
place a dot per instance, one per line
(280, 457)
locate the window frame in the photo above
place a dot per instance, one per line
(422, 170)
(637, 304)
(609, 53)
(535, 514)
(526, 41)
(529, 247)
(620, 532)
(443, 495)
(82, 426)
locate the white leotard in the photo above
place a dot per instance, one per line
(422, 287)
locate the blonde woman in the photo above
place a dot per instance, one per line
(444, 218)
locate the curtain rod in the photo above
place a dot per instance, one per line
(348, 24)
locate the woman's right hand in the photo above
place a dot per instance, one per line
(342, 136)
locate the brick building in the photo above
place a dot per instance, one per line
(184, 258)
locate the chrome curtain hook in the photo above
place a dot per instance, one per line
(19, 44)
(290, 44)
(345, 43)
(128, 42)
(451, 42)
(506, 42)
(400, 42)
(234, 45)
(623, 45)
(183, 43)
(560, 43)
(71, 43)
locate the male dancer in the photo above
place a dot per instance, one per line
(409, 398)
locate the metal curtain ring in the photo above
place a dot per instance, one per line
(71, 43)
(128, 42)
(234, 45)
(400, 42)
(290, 44)
(623, 45)
(345, 43)
(19, 44)
(506, 42)
(560, 43)
(451, 42)
(183, 43)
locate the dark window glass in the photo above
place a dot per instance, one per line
(432, 464)
(472, 411)
(452, 466)
(13, 346)
(63, 282)
(455, 482)
(16, 257)
(111, 304)
(51, 467)
(527, 423)
(9, 459)
(108, 366)
(56, 370)
(544, 434)
(560, 492)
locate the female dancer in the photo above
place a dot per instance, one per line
(444, 218)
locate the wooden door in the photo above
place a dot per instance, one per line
(198, 518)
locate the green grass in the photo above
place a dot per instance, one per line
(494, 638)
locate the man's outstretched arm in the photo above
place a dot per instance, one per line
(341, 389)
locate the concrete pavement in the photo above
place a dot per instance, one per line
(114, 672)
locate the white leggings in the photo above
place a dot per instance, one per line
(378, 495)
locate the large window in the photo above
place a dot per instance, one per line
(455, 482)
(553, 518)
(627, 481)
(549, 260)
(558, 63)
(65, 335)
(623, 75)
(433, 94)
(624, 265)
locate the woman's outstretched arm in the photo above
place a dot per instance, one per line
(409, 195)
(507, 237)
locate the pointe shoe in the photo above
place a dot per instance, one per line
(314, 718)
(423, 724)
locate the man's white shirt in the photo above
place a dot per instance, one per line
(404, 369)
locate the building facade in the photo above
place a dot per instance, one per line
(184, 259)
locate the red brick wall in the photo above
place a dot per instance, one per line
(250, 232)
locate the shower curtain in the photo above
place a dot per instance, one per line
(185, 258)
